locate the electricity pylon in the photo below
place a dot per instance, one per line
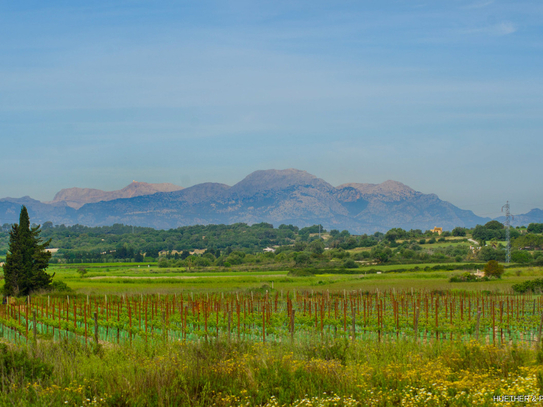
(507, 232)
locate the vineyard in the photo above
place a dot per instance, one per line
(275, 317)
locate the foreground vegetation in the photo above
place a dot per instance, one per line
(311, 373)
(247, 348)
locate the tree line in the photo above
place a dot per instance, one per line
(80, 244)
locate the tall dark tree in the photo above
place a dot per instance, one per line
(27, 259)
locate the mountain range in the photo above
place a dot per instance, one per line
(77, 197)
(274, 196)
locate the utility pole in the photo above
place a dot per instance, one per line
(507, 231)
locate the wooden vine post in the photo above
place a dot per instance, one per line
(478, 323)
(539, 330)
(96, 328)
(416, 325)
(354, 320)
(34, 326)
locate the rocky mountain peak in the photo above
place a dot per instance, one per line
(276, 180)
(77, 197)
(389, 191)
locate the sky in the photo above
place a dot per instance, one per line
(444, 96)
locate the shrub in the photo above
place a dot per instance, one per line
(59, 286)
(16, 364)
(458, 231)
(535, 286)
(163, 262)
(302, 259)
(350, 264)
(467, 278)
(493, 269)
(299, 273)
(521, 257)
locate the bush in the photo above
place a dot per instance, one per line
(467, 278)
(521, 257)
(299, 273)
(302, 259)
(59, 286)
(493, 269)
(16, 364)
(458, 231)
(535, 286)
(350, 264)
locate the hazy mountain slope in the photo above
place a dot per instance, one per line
(276, 196)
(534, 216)
(286, 196)
(39, 212)
(393, 204)
(77, 197)
(273, 196)
(161, 210)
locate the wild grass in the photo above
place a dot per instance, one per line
(223, 373)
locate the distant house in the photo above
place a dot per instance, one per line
(269, 250)
(52, 251)
(437, 230)
(479, 273)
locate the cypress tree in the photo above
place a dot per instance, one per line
(26, 260)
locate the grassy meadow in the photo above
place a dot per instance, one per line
(128, 278)
(313, 373)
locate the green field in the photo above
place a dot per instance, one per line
(125, 278)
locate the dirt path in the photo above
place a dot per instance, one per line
(180, 277)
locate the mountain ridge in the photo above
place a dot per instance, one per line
(272, 196)
(77, 197)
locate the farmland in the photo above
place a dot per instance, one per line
(368, 320)
(128, 278)
(271, 315)
(128, 335)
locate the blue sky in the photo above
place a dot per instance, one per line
(446, 97)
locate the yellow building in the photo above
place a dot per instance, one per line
(437, 230)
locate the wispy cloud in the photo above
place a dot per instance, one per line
(503, 28)
(479, 4)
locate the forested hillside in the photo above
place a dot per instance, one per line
(227, 245)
